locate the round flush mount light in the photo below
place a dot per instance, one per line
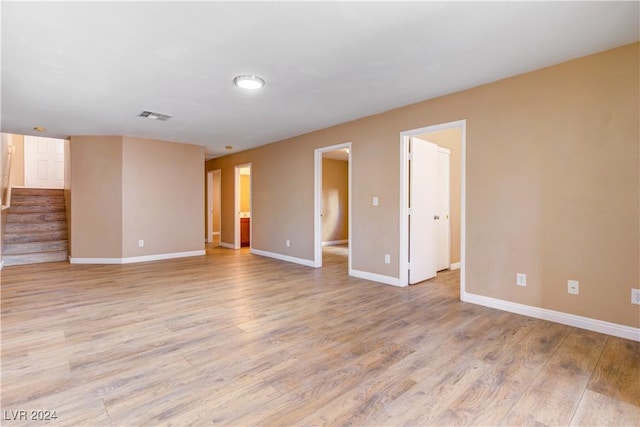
(248, 81)
(39, 129)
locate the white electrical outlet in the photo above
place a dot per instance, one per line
(387, 259)
(635, 296)
(140, 243)
(521, 279)
(573, 287)
(288, 243)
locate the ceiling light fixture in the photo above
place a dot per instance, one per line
(228, 147)
(249, 82)
(39, 129)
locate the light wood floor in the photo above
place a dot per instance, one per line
(235, 339)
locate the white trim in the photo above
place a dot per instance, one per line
(317, 200)
(404, 188)
(134, 259)
(335, 242)
(227, 245)
(454, 266)
(281, 257)
(588, 323)
(387, 280)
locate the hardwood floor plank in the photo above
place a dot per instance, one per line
(555, 393)
(235, 339)
(617, 374)
(492, 396)
(597, 409)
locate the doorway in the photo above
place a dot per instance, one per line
(43, 162)
(214, 223)
(242, 221)
(332, 210)
(410, 220)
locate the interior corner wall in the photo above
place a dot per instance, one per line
(552, 189)
(128, 189)
(96, 199)
(162, 194)
(335, 200)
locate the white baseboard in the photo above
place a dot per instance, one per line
(281, 257)
(588, 323)
(335, 242)
(387, 280)
(455, 266)
(130, 260)
(227, 245)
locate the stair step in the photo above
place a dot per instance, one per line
(36, 227)
(36, 217)
(30, 227)
(40, 236)
(19, 201)
(36, 208)
(33, 247)
(37, 192)
(36, 258)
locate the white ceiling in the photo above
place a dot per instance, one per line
(89, 68)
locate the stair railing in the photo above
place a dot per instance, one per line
(6, 180)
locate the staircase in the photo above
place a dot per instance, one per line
(36, 228)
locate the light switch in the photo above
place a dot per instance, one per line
(375, 200)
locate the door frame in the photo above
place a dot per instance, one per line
(448, 153)
(404, 189)
(211, 203)
(236, 205)
(317, 202)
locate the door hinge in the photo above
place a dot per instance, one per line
(410, 156)
(408, 266)
(409, 211)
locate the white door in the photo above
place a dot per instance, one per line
(443, 223)
(423, 176)
(43, 162)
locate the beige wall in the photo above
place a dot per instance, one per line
(245, 193)
(451, 139)
(552, 185)
(129, 189)
(162, 204)
(335, 200)
(4, 151)
(96, 199)
(67, 187)
(216, 203)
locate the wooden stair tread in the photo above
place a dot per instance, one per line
(35, 236)
(35, 247)
(35, 258)
(36, 229)
(37, 192)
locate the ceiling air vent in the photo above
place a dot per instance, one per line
(155, 116)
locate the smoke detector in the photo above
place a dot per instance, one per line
(155, 116)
